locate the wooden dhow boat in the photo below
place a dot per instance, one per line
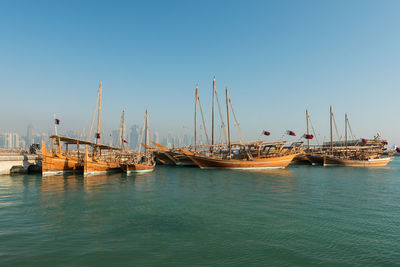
(357, 149)
(244, 155)
(364, 156)
(173, 156)
(380, 161)
(59, 161)
(100, 159)
(138, 162)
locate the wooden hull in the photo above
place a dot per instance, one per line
(315, 159)
(93, 166)
(377, 162)
(164, 158)
(137, 168)
(183, 160)
(174, 158)
(100, 167)
(54, 164)
(263, 163)
(301, 159)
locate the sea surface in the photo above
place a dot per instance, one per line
(184, 216)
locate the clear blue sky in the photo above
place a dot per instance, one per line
(277, 57)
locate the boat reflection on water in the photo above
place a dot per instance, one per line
(60, 183)
(100, 183)
(283, 173)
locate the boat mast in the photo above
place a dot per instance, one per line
(98, 115)
(195, 119)
(212, 134)
(122, 130)
(145, 134)
(227, 118)
(308, 132)
(345, 131)
(331, 131)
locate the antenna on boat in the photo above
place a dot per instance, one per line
(55, 124)
(227, 118)
(345, 131)
(122, 129)
(308, 130)
(145, 134)
(331, 115)
(99, 115)
(195, 118)
(94, 115)
(203, 120)
(213, 105)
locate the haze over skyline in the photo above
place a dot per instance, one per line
(276, 58)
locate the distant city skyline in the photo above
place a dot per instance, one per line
(277, 59)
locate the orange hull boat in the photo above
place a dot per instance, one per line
(137, 168)
(96, 166)
(376, 162)
(256, 163)
(57, 163)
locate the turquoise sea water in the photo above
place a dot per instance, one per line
(303, 215)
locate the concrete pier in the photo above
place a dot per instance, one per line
(19, 163)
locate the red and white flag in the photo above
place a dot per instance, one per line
(125, 141)
(289, 132)
(57, 121)
(308, 136)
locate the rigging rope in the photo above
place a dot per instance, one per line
(240, 130)
(223, 126)
(337, 132)
(237, 123)
(204, 122)
(351, 132)
(312, 127)
(140, 137)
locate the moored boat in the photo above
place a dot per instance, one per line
(139, 162)
(172, 156)
(277, 161)
(100, 165)
(103, 158)
(370, 155)
(372, 162)
(59, 162)
(244, 155)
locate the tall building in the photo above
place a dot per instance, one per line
(15, 140)
(156, 137)
(133, 137)
(11, 141)
(29, 137)
(2, 141)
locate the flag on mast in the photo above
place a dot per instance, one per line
(308, 136)
(56, 122)
(265, 133)
(289, 132)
